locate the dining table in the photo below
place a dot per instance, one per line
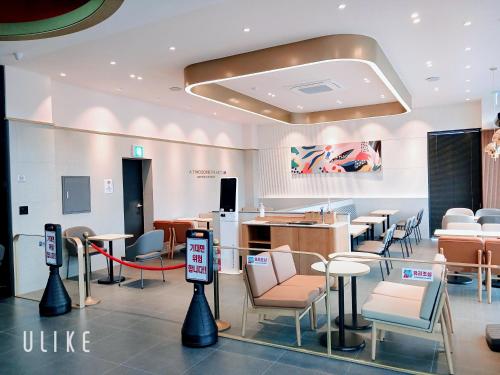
(371, 221)
(387, 213)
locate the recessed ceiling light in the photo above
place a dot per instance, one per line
(366, 80)
(467, 23)
(132, 75)
(62, 74)
(234, 100)
(112, 63)
(416, 20)
(382, 96)
(467, 80)
(300, 107)
(436, 89)
(139, 78)
(171, 48)
(246, 30)
(339, 101)
(467, 91)
(215, 113)
(414, 15)
(118, 89)
(342, 6)
(468, 49)
(271, 94)
(467, 99)
(429, 64)
(467, 66)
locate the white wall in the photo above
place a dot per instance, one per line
(404, 156)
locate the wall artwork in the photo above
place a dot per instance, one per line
(337, 158)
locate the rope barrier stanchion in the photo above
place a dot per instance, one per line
(89, 300)
(133, 265)
(222, 325)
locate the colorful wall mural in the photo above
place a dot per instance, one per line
(337, 158)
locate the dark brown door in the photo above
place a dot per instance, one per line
(133, 199)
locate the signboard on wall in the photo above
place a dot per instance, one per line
(137, 151)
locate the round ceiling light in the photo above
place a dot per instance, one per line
(27, 20)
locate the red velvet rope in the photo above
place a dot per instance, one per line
(133, 265)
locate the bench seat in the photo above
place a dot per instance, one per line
(312, 281)
(398, 290)
(288, 296)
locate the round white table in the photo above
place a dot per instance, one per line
(355, 320)
(342, 340)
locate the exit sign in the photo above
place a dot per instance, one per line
(137, 151)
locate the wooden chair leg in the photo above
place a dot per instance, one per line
(297, 327)
(447, 311)
(488, 276)
(479, 277)
(446, 343)
(244, 318)
(315, 316)
(374, 341)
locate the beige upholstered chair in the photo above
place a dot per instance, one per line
(487, 212)
(416, 314)
(490, 227)
(276, 289)
(464, 226)
(464, 250)
(460, 211)
(447, 219)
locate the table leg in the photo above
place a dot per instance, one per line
(372, 232)
(354, 320)
(352, 243)
(383, 225)
(111, 279)
(342, 340)
(388, 221)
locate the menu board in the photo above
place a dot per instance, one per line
(50, 248)
(197, 259)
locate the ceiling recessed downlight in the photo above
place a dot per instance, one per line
(436, 89)
(366, 80)
(342, 6)
(467, 23)
(246, 29)
(172, 48)
(139, 78)
(414, 15)
(416, 20)
(467, 91)
(112, 63)
(467, 66)
(382, 96)
(338, 101)
(467, 99)
(428, 64)
(300, 107)
(467, 80)
(62, 74)
(467, 49)
(132, 75)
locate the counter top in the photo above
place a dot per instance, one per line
(270, 223)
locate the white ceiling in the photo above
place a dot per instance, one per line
(138, 38)
(349, 75)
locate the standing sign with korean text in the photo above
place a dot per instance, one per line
(53, 245)
(416, 274)
(199, 258)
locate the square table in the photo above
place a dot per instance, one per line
(371, 221)
(386, 213)
(356, 230)
(109, 238)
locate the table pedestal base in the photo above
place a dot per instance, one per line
(107, 280)
(459, 279)
(361, 323)
(351, 342)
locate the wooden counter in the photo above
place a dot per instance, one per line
(318, 238)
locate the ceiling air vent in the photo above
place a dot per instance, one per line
(317, 87)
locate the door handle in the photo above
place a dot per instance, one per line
(139, 205)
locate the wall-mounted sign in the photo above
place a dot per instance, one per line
(257, 260)
(207, 173)
(416, 274)
(137, 151)
(337, 158)
(108, 186)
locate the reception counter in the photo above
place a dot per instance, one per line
(316, 238)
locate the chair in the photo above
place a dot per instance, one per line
(489, 219)
(147, 247)
(463, 250)
(492, 252)
(488, 212)
(464, 226)
(166, 226)
(72, 247)
(379, 247)
(268, 296)
(460, 211)
(490, 227)
(420, 215)
(179, 229)
(401, 235)
(455, 219)
(416, 316)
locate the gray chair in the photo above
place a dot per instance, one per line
(489, 219)
(73, 248)
(455, 219)
(149, 246)
(460, 211)
(380, 248)
(488, 212)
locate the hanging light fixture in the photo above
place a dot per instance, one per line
(493, 148)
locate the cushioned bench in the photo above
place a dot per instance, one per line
(276, 288)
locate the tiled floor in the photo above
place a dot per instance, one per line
(134, 331)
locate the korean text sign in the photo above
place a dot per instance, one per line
(417, 274)
(197, 258)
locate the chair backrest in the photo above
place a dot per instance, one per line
(283, 263)
(78, 232)
(261, 278)
(389, 236)
(166, 226)
(149, 242)
(432, 289)
(420, 215)
(408, 226)
(180, 228)
(464, 226)
(489, 219)
(455, 219)
(460, 211)
(492, 245)
(488, 212)
(461, 250)
(490, 227)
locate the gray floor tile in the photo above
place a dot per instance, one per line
(252, 350)
(283, 369)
